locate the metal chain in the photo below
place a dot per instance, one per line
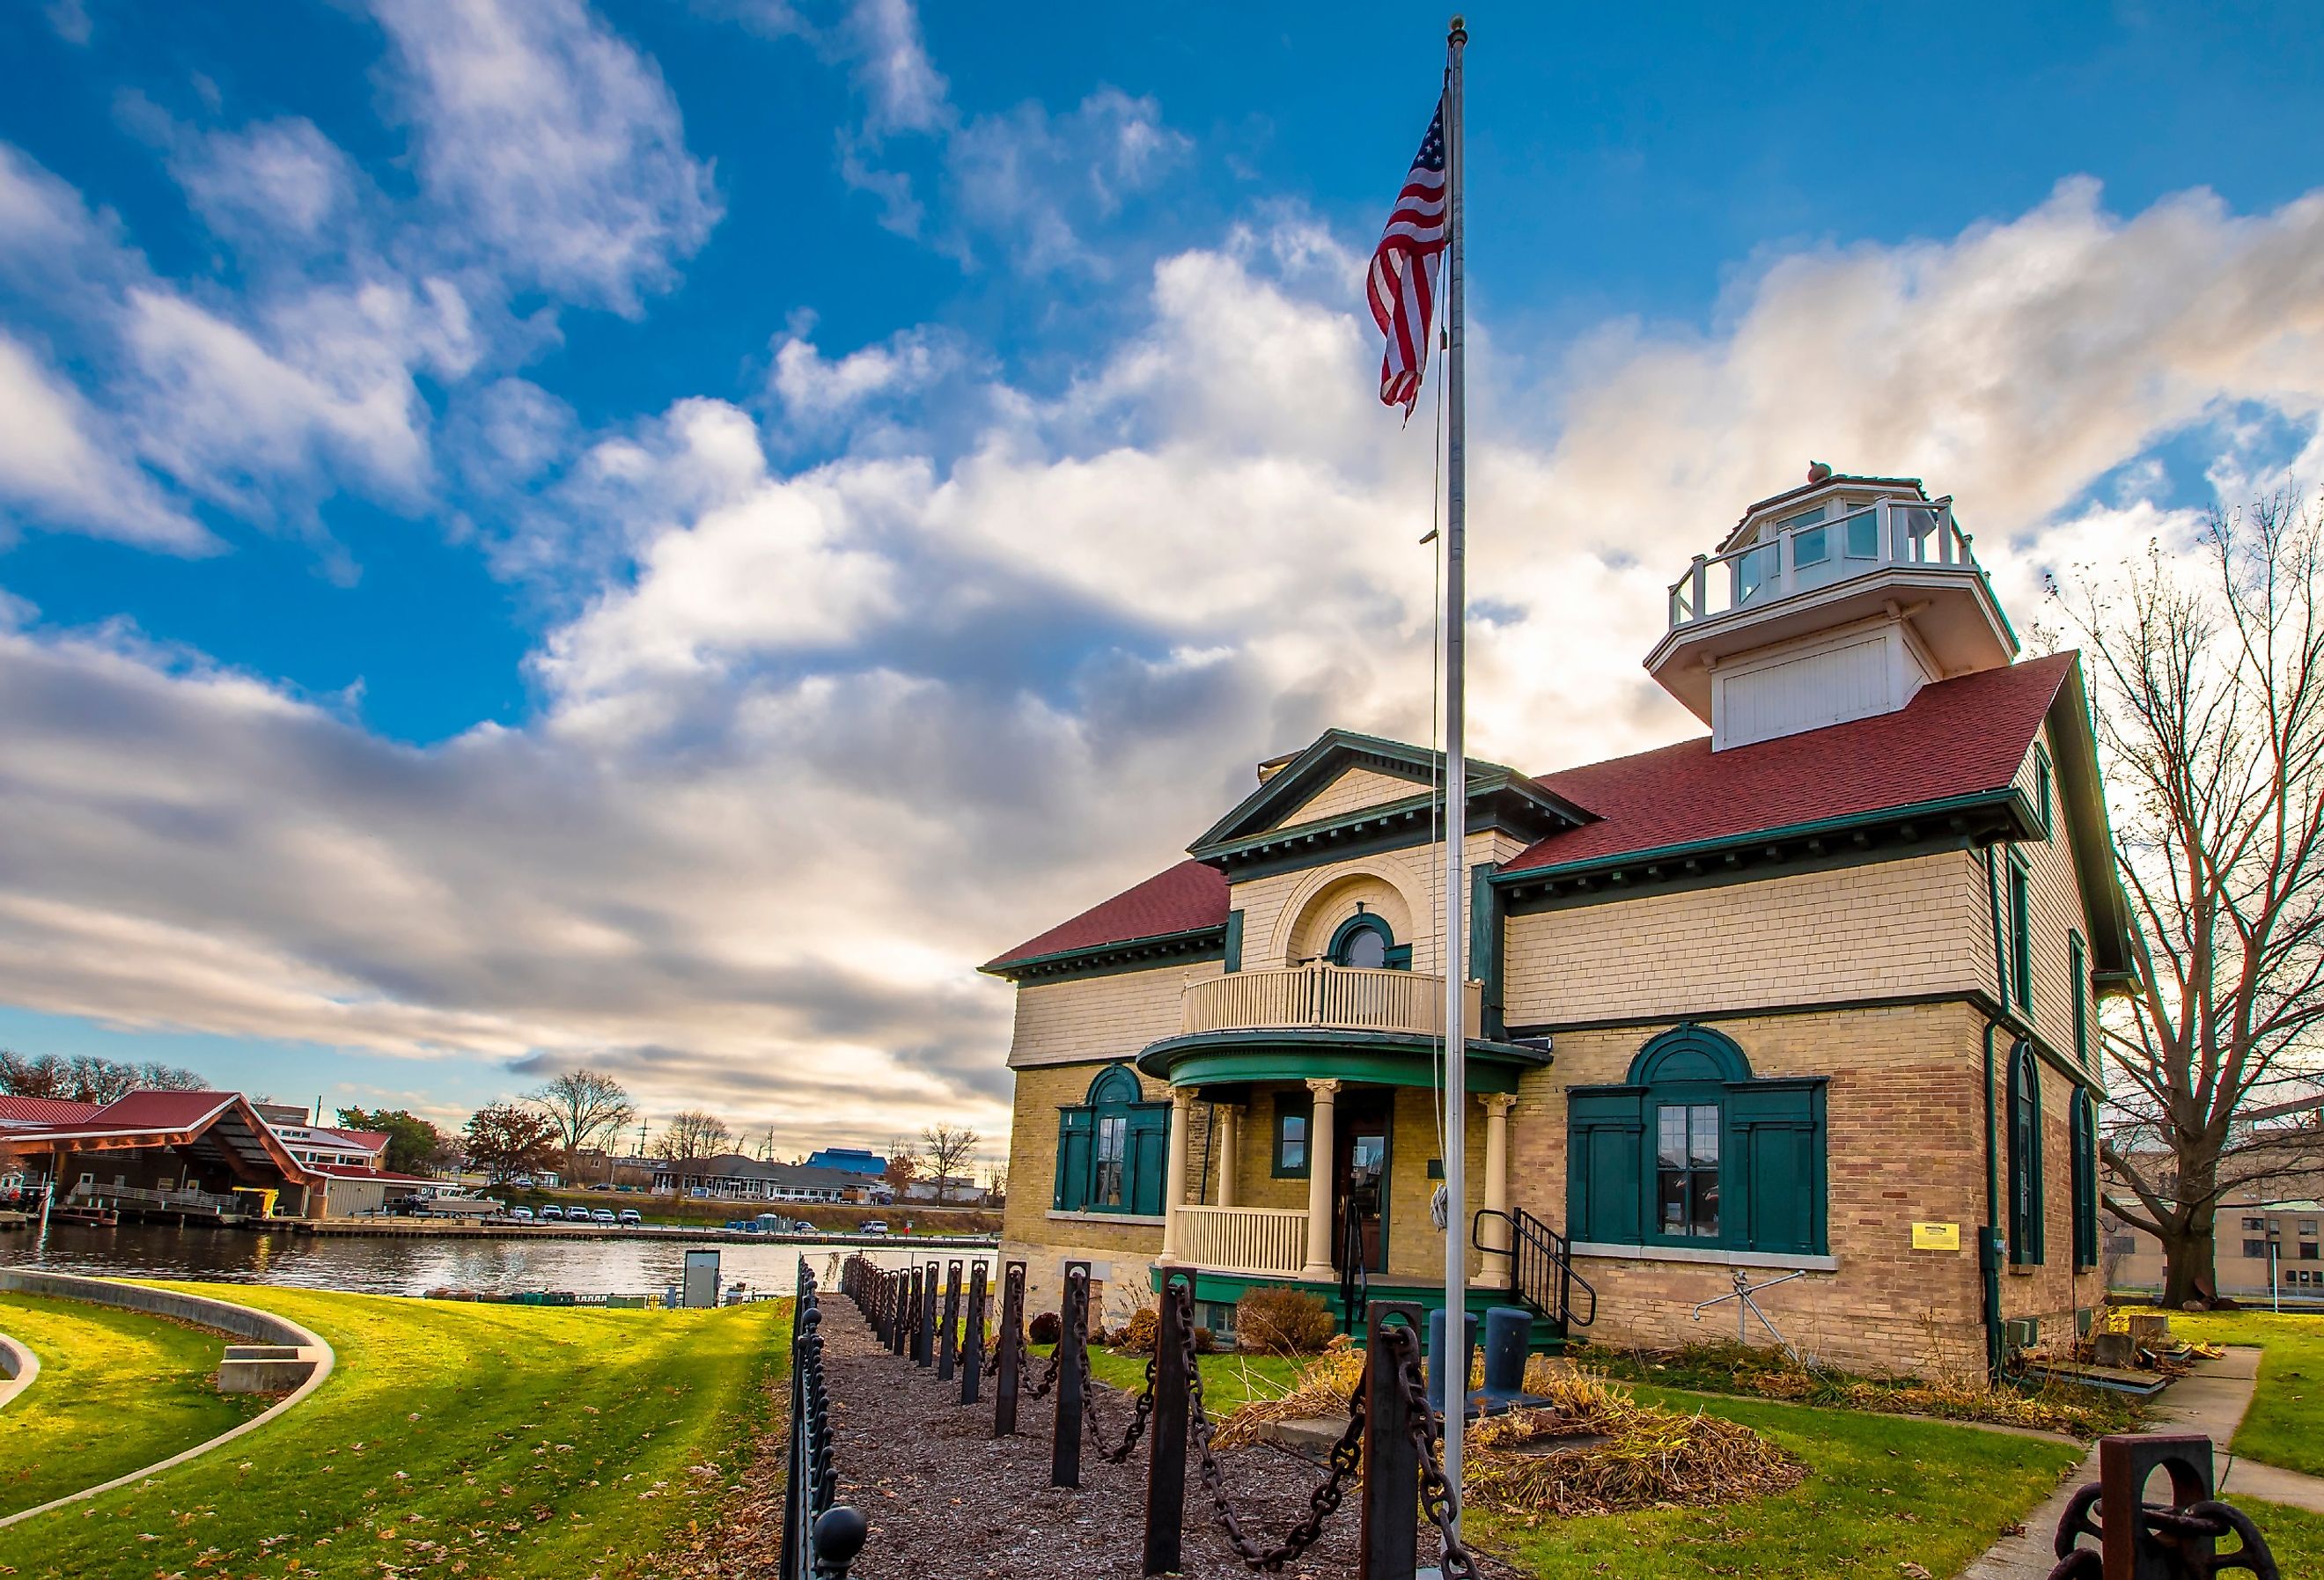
(1137, 1420)
(1437, 1500)
(1347, 1457)
(1049, 1378)
(2179, 1528)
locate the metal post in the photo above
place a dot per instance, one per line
(906, 1341)
(1072, 1341)
(928, 1353)
(1390, 1545)
(947, 1335)
(971, 1343)
(795, 1488)
(1013, 1349)
(1165, 1467)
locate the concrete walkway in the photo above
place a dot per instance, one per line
(2211, 1401)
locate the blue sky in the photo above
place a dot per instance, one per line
(660, 534)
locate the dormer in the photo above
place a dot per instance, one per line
(1833, 601)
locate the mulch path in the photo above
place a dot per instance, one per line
(945, 1497)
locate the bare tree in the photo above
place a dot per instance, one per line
(904, 1163)
(2211, 717)
(692, 1133)
(949, 1148)
(583, 1106)
(88, 1078)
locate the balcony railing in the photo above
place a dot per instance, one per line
(1339, 998)
(1267, 1242)
(1808, 555)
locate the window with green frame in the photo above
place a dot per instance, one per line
(2085, 1135)
(2079, 954)
(2042, 786)
(2020, 933)
(1294, 1114)
(1365, 940)
(1114, 1148)
(2024, 1157)
(1693, 1151)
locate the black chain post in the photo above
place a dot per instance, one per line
(1165, 1467)
(795, 1486)
(1390, 1545)
(909, 1346)
(2138, 1540)
(928, 1355)
(1011, 1350)
(949, 1336)
(1072, 1356)
(971, 1343)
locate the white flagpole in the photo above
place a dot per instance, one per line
(1456, 791)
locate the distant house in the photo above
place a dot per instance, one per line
(958, 1192)
(849, 1160)
(312, 1144)
(732, 1176)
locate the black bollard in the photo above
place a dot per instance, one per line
(949, 1336)
(1013, 1349)
(907, 1344)
(971, 1342)
(1390, 1544)
(928, 1355)
(1073, 1343)
(1165, 1468)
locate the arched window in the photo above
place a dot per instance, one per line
(1365, 940)
(2086, 1178)
(2025, 1155)
(1695, 1151)
(1112, 1148)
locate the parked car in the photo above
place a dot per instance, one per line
(632, 1216)
(872, 1226)
(519, 1214)
(552, 1213)
(601, 1215)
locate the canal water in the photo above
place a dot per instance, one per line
(414, 1266)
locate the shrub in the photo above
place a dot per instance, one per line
(1206, 1343)
(1138, 1338)
(1274, 1320)
(1043, 1329)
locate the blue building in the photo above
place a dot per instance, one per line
(849, 1159)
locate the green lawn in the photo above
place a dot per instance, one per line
(492, 1440)
(2285, 1424)
(1229, 1381)
(116, 1392)
(1881, 1493)
(2294, 1536)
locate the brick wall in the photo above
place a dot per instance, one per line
(1086, 1018)
(1291, 916)
(1351, 789)
(1031, 1231)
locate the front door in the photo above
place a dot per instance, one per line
(1359, 1176)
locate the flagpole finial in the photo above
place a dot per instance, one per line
(1459, 31)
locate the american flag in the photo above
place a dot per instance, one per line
(1401, 284)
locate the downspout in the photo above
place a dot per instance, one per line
(1988, 1235)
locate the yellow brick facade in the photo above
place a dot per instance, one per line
(1100, 1018)
(1289, 918)
(1351, 791)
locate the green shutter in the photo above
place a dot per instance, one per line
(1234, 940)
(1146, 1157)
(1485, 932)
(2085, 1181)
(1604, 1197)
(1074, 1133)
(1775, 1131)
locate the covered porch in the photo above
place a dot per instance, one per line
(1305, 1136)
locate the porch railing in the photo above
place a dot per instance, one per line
(1340, 998)
(1813, 554)
(1268, 1242)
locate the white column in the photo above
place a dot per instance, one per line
(1229, 1122)
(1174, 1182)
(1493, 1272)
(1319, 1184)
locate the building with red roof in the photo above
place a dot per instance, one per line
(1814, 992)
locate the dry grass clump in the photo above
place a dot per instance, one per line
(1323, 1388)
(1652, 1458)
(1274, 1319)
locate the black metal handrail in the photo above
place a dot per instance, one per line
(1355, 1273)
(821, 1536)
(1541, 1261)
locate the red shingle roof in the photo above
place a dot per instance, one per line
(1189, 895)
(159, 1110)
(43, 1110)
(357, 1141)
(1955, 738)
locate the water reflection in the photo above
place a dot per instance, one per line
(500, 1266)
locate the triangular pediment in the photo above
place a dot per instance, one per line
(1344, 777)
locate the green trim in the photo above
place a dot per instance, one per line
(2026, 1206)
(1253, 819)
(1379, 1058)
(2021, 931)
(2009, 813)
(1363, 921)
(1493, 808)
(1146, 954)
(1230, 947)
(2082, 795)
(1487, 943)
(2077, 955)
(2045, 788)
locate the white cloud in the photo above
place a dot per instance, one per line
(55, 468)
(908, 93)
(553, 143)
(815, 389)
(270, 181)
(70, 19)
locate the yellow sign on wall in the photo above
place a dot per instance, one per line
(1936, 1236)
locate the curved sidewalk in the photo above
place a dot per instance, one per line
(221, 1315)
(2211, 1399)
(18, 1367)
